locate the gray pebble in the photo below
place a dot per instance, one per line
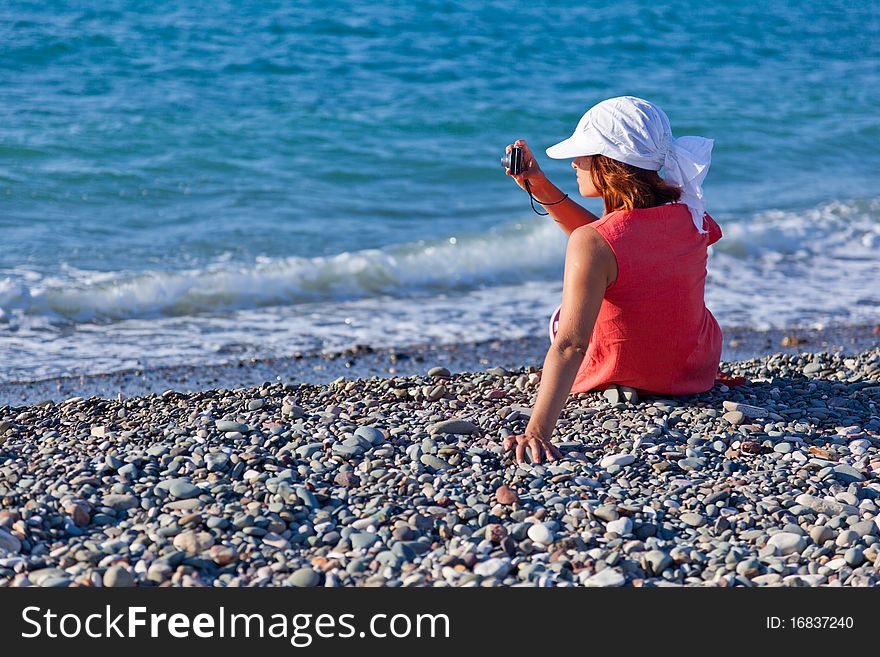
(787, 542)
(117, 577)
(693, 519)
(304, 578)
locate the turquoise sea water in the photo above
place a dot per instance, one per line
(238, 178)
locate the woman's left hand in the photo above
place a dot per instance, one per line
(537, 444)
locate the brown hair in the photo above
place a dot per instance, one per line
(625, 187)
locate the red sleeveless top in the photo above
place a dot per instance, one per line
(654, 332)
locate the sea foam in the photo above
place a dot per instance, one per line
(840, 239)
(774, 269)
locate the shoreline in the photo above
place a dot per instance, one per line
(366, 362)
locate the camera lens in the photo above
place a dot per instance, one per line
(505, 161)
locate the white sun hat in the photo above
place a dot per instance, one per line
(637, 132)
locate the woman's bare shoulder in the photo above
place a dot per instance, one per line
(588, 246)
(587, 236)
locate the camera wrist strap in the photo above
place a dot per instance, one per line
(532, 200)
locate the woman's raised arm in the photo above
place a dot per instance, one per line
(569, 215)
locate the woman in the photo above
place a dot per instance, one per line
(632, 310)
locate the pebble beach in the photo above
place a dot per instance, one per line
(401, 480)
(269, 306)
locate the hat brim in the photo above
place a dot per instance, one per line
(569, 148)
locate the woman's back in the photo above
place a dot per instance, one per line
(654, 332)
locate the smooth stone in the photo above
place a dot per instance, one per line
(717, 496)
(612, 394)
(362, 540)
(420, 522)
(820, 534)
(304, 578)
(275, 540)
(307, 451)
(693, 519)
(78, 513)
(293, 411)
(847, 537)
(216, 461)
(692, 463)
(621, 526)
(748, 568)
(496, 533)
(436, 393)
(228, 425)
(658, 560)
(540, 533)
(193, 542)
(787, 542)
(348, 450)
(812, 367)
(103, 519)
(157, 450)
(434, 462)
(55, 582)
(404, 550)
(506, 495)
(803, 580)
(734, 417)
(118, 577)
(606, 512)
(128, 471)
(619, 460)
(371, 434)
(847, 473)
(606, 578)
(439, 373)
(389, 559)
(828, 507)
(865, 528)
(39, 576)
(307, 497)
(493, 568)
(120, 502)
(346, 479)
(767, 552)
(216, 522)
(182, 489)
(358, 441)
(223, 555)
(855, 557)
(457, 427)
(184, 505)
(745, 409)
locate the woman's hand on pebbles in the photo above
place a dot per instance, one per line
(539, 447)
(532, 171)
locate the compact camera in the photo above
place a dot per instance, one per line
(513, 161)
